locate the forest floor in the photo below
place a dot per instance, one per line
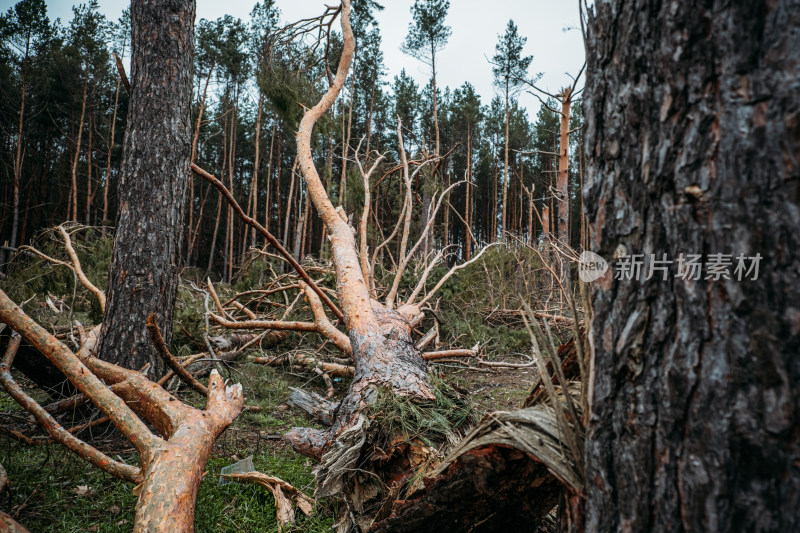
(52, 490)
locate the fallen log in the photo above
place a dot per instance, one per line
(506, 475)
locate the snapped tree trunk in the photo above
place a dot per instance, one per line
(563, 168)
(694, 409)
(143, 276)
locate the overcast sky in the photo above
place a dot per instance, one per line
(552, 29)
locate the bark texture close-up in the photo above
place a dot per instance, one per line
(155, 171)
(692, 137)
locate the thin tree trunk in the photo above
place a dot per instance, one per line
(468, 199)
(493, 225)
(503, 226)
(18, 156)
(435, 106)
(278, 198)
(254, 180)
(74, 192)
(289, 203)
(369, 118)
(89, 195)
(110, 150)
(268, 203)
(229, 240)
(563, 168)
(214, 235)
(191, 236)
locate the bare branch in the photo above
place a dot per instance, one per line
(53, 428)
(268, 236)
(453, 271)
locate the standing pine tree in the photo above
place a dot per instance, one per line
(143, 278)
(23, 27)
(427, 35)
(509, 67)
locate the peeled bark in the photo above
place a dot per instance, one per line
(383, 353)
(172, 461)
(143, 277)
(693, 147)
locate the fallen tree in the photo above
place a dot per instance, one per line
(172, 454)
(378, 335)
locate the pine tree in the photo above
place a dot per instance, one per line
(509, 67)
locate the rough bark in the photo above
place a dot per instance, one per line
(143, 277)
(692, 145)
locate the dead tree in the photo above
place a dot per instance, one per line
(377, 337)
(566, 97)
(143, 277)
(694, 412)
(173, 457)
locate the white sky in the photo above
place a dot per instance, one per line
(475, 24)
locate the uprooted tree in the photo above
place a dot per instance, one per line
(378, 339)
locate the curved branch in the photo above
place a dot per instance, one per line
(161, 347)
(324, 326)
(352, 289)
(53, 428)
(268, 236)
(74, 369)
(101, 297)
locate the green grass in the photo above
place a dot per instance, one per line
(47, 478)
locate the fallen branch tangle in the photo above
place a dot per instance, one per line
(378, 335)
(172, 459)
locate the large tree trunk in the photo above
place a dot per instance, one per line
(693, 147)
(143, 278)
